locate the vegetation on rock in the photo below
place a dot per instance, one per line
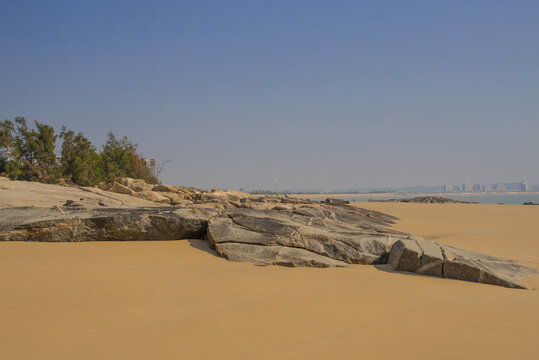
(28, 153)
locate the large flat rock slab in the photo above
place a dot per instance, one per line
(336, 234)
(26, 193)
(263, 230)
(430, 258)
(83, 224)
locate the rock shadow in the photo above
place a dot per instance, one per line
(389, 269)
(203, 245)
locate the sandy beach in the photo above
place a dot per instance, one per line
(248, 180)
(176, 299)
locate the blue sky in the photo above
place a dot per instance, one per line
(318, 94)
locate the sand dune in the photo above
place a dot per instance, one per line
(171, 300)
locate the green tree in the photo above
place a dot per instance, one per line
(120, 158)
(7, 140)
(80, 162)
(34, 152)
(29, 154)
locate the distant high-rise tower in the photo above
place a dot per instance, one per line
(467, 187)
(150, 163)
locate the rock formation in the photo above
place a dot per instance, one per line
(426, 200)
(267, 230)
(100, 224)
(431, 258)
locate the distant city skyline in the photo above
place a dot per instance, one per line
(458, 188)
(314, 95)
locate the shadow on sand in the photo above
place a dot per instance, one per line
(389, 269)
(202, 245)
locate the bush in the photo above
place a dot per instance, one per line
(29, 154)
(119, 159)
(80, 163)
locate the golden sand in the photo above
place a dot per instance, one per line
(176, 300)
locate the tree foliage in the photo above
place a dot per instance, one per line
(80, 162)
(29, 154)
(121, 159)
(32, 156)
(7, 130)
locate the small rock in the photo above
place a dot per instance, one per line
(120, 189)
(330, 201)
(154, 196)
(165, 188)
(104, 186)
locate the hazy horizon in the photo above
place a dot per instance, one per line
(316, 95)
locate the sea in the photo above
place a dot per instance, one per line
(486, 198)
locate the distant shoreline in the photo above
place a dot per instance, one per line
(400, 194)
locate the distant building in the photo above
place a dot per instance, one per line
(150, 163)
(524, 186)
(499, 187)
(467, 187)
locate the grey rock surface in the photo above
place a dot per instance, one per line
(267, 230)
(345, 234)
(431, 258)
(101, 224)
(120, 189)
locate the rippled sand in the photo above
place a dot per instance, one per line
(177, 300)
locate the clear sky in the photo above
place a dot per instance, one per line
(317, 94)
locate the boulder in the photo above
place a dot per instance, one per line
(416, 255)
(139, 185)
(104, 186)
(76, 224)
(425, 200)
(181, 202)
(120, 189)
(162, 187)
(219, 194)
(237, 194)
(182, 192)
(136, 185)
(471, 266)
(331, 201)
(91, 203)
(154, 196)
(276, 255)
(430, 258)
(172, 196)
(352, 242)
(186, 195)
